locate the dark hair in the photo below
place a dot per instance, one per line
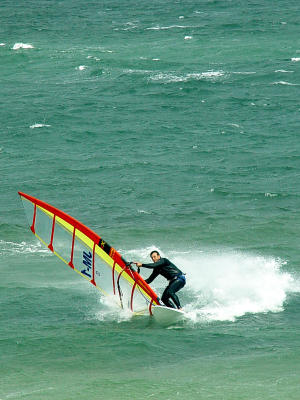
(154, 251)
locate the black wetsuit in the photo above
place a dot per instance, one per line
(173, 274)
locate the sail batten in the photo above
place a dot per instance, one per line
(88, 254)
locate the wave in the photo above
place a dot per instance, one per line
(34, 126)
(285, 83)
(229, 285)
(221, 285)
(7, 247)
(162, 28)
(283, 71)
(224, 285)
(18, 46)
(30, 392)
(170, 78)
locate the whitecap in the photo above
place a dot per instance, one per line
(283, 71)
(244, 72)
(22, 248)
(18, 46)
(2, 44)
(188, 37)
(26, 393)
(136, 71)
(81, 67)
(169, 78)
(103, 50)
(161, 28)
(39, 126)
(285, 83)
(295, 59)
(271, 195)
(209, 74)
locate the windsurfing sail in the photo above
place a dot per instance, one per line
(89, 255)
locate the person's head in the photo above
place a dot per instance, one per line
(155, 255)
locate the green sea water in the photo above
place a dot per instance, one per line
(163, 124)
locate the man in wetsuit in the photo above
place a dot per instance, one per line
(176, 278)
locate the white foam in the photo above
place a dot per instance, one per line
(2, 44)
(169, 77)
(26, 393)
(161, 28)
(22, 248)
(284, 71)
(136, 71)
(271, 195)
(285, 83)
(188, 37)
(225, 286)
(244, 72)
(39, 126)
(82, 67)
(110, 311)
(18, 46)
(141, 254)
(295, 59)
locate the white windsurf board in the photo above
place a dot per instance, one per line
(166, 315)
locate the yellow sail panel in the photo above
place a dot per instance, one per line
(85, 239)
(87, 254)
(50, 214)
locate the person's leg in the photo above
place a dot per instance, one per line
(165, 298)
(173, 288)
(170, 293)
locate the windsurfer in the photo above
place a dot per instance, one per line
(176, 278)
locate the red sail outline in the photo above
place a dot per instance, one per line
(96, 239)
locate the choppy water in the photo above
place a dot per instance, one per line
(171, 125)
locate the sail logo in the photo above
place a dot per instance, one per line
(87, 261)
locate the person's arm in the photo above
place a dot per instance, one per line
(151, 278)
(160, 263)
(155, 266)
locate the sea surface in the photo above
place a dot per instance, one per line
(159, 124)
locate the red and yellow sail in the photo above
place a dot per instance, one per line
(88, 254)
